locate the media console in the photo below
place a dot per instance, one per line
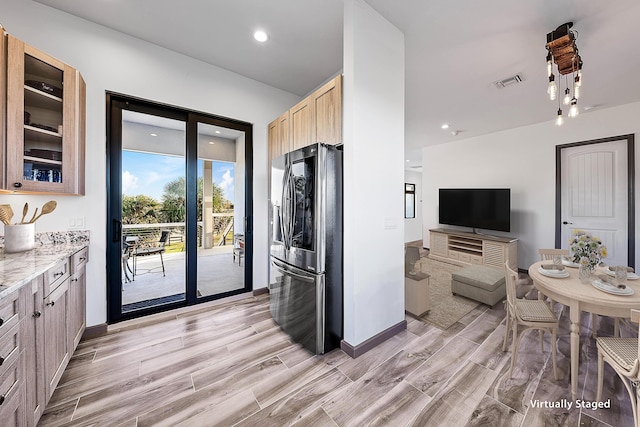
(458, 247)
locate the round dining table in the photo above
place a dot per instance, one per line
(579, 297)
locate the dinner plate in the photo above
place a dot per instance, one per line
(630, 276)
(611, 289)
(558, 274)
(570, 263)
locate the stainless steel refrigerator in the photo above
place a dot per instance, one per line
(305, 283)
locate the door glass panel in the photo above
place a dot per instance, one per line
(303, 172)
(153, 211)
(221, 243)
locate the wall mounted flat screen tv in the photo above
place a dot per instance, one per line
(486, 208)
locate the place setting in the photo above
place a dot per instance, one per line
(557, 271)
(614, 280)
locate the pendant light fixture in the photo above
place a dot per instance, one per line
(563, 58)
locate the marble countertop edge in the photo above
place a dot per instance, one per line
(18, 269)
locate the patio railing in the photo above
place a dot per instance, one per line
(149, 234)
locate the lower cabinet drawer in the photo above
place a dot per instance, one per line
(454, 255)
(10, 347)
(9, 312)
(475, 259)
(12, 395)
(464, 257)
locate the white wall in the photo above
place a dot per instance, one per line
(522, 159)
(112, 61)
(413, 226)
(373, 91)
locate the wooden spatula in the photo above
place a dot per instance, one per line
(24, 212)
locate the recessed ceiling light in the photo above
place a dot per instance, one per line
(260, 36)
(408, 160)
(445, 126)
(211, 142)
(217, 131)
(153, 134)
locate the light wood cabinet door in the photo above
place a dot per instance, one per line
(77, 297)
(326, 108)
(3, 98)
(301, 124)
(278, 137)
(45, 122)
(56, 341)
(35, 386)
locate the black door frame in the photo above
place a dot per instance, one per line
(115, 103)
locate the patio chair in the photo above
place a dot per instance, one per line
(622, 355)
(154, 250)
(238, 248)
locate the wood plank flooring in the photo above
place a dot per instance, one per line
(231, 365)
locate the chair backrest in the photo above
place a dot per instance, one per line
(635, 317)
(164, 236)
(548, 254)
(511, 277)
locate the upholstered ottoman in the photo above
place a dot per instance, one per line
(479, 283)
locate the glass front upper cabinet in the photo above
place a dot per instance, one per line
(45, 123)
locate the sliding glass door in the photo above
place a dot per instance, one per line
(179, 203)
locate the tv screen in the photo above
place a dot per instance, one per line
(486, 208)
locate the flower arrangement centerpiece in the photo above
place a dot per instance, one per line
(587, 250)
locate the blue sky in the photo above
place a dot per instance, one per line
(146, 173)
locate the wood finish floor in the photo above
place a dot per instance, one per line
(231, 365)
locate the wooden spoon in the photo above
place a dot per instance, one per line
(47, 208)
(33, 218)
(24, 212)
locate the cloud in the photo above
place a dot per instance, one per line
(227, 184)
(129, 182)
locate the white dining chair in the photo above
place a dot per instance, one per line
(622, 355)
(531, 314)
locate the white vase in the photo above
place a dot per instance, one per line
(19, 237)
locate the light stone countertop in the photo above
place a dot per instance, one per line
(17, 269)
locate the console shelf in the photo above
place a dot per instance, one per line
(460, 248)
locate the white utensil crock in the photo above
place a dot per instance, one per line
(19, 237)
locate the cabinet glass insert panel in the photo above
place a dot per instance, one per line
(303, 173)
(43, 118)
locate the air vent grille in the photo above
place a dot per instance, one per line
(500, 84)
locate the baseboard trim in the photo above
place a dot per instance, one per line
(362, 348)
(94, 331)
(260, 291)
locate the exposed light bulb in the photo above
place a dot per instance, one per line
(576, 92)
(549, 64)
(552, 89)
(559, 119)
(578, 79)
(445, 126)
(573, 111)
(567, 97)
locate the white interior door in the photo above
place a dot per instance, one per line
(594, 195)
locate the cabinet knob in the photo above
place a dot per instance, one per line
(36, 314)
(60, 273)
(52, 303)
(17, 184)
(82, 258)
(74, 280)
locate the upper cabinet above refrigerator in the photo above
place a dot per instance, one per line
(317, 118)
(45, 123)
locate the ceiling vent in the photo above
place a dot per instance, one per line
(500, 84)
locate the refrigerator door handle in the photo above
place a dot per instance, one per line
(286, 271)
